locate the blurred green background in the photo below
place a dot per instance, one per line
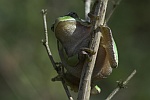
(26, 71)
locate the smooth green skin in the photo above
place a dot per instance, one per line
(107, 57)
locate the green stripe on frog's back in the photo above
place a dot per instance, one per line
(62, 19)
(115, 52)
(65, 18)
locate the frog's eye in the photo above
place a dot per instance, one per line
(73, 14)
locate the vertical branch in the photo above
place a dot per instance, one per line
(87, 8)
(57, 68)
(99, 10)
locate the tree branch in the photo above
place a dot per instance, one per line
(121, 85)
(99, 9)
(87, 8)
(115, 4)
(57, 67)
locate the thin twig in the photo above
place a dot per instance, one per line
(99, 9)
(57, 68)
(112, 11)
(87, 9)
(45, 41)
(121, 85)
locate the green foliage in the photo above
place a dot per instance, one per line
(25, 69)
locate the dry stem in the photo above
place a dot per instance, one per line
(57, 68)
(121, 85)
(87, 8)
(99, 9)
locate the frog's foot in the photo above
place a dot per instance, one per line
(58, 66)
(93, 17)
(57, 78)
(88, 52)
(95, 89)
(100, 28)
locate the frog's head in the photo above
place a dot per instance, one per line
(71, 31)
(71, 16)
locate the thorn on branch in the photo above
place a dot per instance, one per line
(121, 84)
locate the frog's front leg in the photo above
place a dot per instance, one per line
(86, 52)
(110, 46)
(93, 17)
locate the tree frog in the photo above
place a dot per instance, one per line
(74, 34)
